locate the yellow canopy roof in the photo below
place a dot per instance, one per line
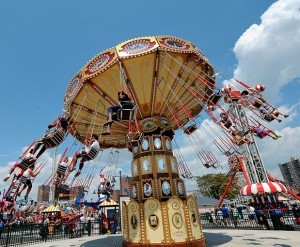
(108, 204)
(50, 209)
(165, 76)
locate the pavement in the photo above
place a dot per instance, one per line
(214, 237)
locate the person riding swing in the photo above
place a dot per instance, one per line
(90, 151)
(53, 137)
(124, 103)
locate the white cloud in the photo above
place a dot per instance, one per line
(269, 53)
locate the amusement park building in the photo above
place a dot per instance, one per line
(291, 172)
(44, 193)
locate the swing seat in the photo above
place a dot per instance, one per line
(268, 119)
(65, 187)
(207, 165)
(127, 112)
(215, 98)
(23, 180)
(24, 164)
(228, 153)
(54, 138)
(189, 130)
(12, 191)
(92, 154)
(135, 139)
(57, 181)
(61, 170)
(170, 133)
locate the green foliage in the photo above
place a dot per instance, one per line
(213, 185)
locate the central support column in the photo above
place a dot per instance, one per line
(159, 212)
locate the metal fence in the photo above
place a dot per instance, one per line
(288, 220)
(32, 234)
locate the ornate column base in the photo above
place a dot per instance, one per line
(174, 222)
(197, 243)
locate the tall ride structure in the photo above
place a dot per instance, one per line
(161, 76)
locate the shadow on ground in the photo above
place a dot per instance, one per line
(212, 239)
(110, 241)
(216, 239)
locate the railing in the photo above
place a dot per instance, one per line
(32, 234)
(288, 220)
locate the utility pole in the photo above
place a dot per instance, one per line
(120, 194)
(52, 187)
(120, 183)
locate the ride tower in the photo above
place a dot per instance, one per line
(247, 159)
(249, 151)
(160, 75)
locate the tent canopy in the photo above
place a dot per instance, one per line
(51, 209)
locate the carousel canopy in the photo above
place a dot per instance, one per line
(164, 76)
(261, 188)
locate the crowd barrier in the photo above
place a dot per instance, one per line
(22, 235)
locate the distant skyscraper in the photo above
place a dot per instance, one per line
(291, 172)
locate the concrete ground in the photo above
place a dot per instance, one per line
(226, 237)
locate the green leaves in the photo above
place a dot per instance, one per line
(213, 185)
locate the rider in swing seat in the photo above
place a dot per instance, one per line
(227, 123)
(19, 167)
(91, 149)
(61, 170)
(261, 133)
(124, 103)
(60, 129)
(252, 102)
(25, 181)
(271, 115)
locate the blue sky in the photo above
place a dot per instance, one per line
(44, 43)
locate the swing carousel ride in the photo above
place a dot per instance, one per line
(169, 82)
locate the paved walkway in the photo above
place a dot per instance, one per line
(227, 237)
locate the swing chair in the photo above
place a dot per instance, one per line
(93, 152)
(54, 138)
(182, 166)
(190, 129)
(108, 174)
(24, 163)
(128, 113)
(128, 108)
(215, 98)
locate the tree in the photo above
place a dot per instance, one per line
(213, 185)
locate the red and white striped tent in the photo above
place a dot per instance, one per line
(261, 188)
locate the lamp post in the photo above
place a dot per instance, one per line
(120, 213)
(120, 172)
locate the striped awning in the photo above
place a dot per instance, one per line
(112, 203)
(261, 188)
(50, 209)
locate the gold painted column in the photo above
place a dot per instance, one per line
(159, 212)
